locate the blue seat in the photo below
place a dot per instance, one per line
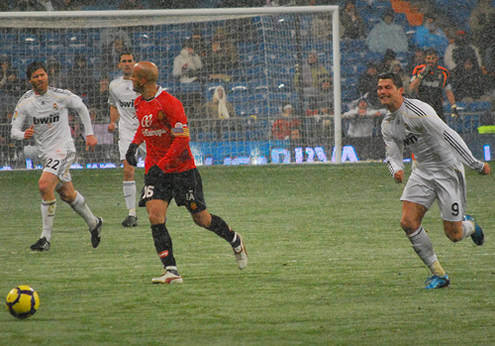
(479, 106)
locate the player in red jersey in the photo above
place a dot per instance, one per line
(170, 171)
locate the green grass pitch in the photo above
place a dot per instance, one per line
(329, 265)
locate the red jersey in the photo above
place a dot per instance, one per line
(163, 126)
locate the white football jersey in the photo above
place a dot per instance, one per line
(434, 144)
(49, 114)
(122, 97)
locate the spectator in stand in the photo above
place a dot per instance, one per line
(66, 5)
(9, 81)
(429, 80)
(287, 126)
(388, 57)
(219, 107)
(489, 64)
(99, 98)
(429, 35)
(47, 4)
(468, 81)
(217, 63)
(321, 27)
(416, 59)
(108, 36)
(363, 119)
(188, 64)
(198, 42)
(354, 24)
(28, 6)
(111, 55)
(482, 24)
(55, 76)
(387, 35)
(367, 82)
(80, 78)
(13, 86)
(228, 45)
(324, 98)
(307, 79)
(130, 5)
(459, 50)
(396, 67)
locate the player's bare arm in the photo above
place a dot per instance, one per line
(114, 117)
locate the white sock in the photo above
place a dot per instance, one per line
(48, 215)
(467, 228)
(79, 205)
(423, 246)
(130, 196)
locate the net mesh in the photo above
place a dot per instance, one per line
(257, 60)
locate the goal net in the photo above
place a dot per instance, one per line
(274, 111)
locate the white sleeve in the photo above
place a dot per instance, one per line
(394, 152)
(81, 109)
(17, 124)
(437, 127)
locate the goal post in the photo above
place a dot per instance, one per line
(263, 51)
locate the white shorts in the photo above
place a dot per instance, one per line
(447, 187)
(58, 163)
(125, 139)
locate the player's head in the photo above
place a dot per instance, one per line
(38, 77)
(390, 90)
(126, 63)
(431, 56)
(144, 74)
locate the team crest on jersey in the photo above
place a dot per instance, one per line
(160, 115)
(55, 107)
(15, 114)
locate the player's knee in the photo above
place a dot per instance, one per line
(156, 217)
(202, 219)
(453, 234)
(408, 226)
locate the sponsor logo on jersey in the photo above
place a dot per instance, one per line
(411, 139)
(126, 104)
(150, 133)
(53, 118)
(147, 120)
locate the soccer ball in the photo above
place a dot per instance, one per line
(22, 301)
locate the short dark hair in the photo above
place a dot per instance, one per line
(127, 52)
(393, 76)
(431, 51)
(34, 66)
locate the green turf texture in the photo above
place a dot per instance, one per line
(329, 265)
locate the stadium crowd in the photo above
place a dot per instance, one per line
(386, 43)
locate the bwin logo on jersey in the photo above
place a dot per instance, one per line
(411, 139)
(53, 118)
(126, 104)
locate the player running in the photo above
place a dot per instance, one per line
(121, 102)
(170, 169)
(437, 175)
(45, 110)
